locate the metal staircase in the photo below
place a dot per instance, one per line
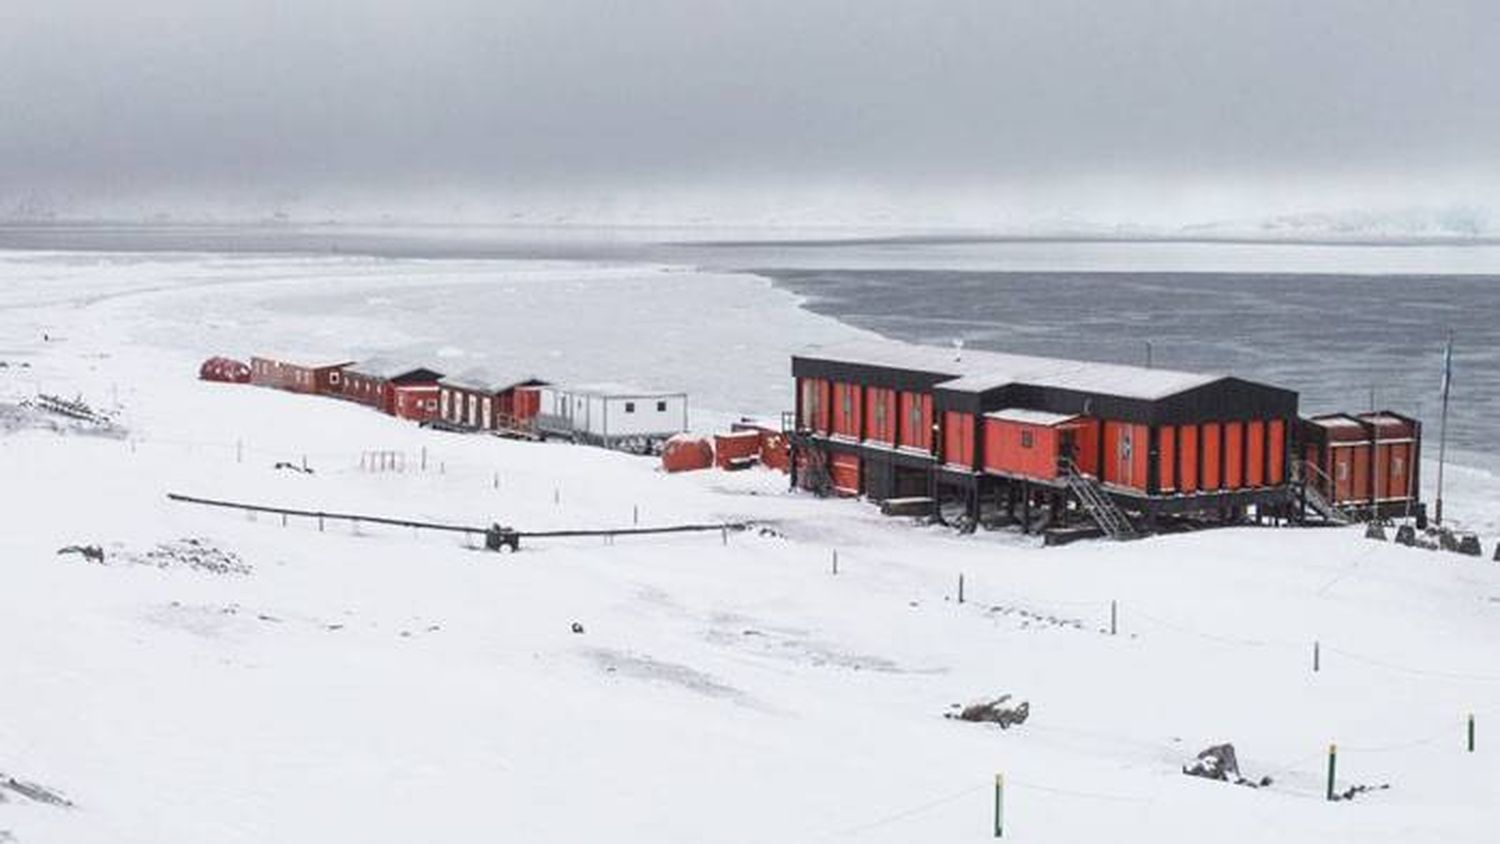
(1306, 476)
(1097, 503)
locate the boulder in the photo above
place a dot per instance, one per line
(997, 711)
(1215, 763)
(1469, 544)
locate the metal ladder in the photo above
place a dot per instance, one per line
(1097, 503)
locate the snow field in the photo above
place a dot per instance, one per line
(386, 685)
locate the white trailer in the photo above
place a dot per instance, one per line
(611, 416)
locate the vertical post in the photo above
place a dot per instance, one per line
(1443, 423)
(999, 805)
(556, 496)
(239, 451)
(635, 514)
(495, 484)
(304, 463)
(1114, 617)
(960, 587)
(1316, 657)
(724, 533)
(835, 561)
(1471, 732)
(283, 520)
(424, 458)
(1333, 758)
(320, 523)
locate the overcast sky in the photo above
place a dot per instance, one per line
(1113, 110)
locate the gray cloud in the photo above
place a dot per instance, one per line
(1114, 107)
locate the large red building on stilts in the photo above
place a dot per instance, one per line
(1011, 432)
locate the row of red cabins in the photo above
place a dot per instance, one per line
(986, 429)
(471, 401)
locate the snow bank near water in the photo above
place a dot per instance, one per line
(378, 684)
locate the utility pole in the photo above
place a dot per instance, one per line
(1443, 430)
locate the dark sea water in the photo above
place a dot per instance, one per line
(1333, 338)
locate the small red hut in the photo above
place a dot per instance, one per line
(224, 369)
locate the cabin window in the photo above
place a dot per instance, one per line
(661, 407)
(630, 407)
(1343, 471)
(1397, 464)
(430, 404)
(333, 377)
(1026, 439)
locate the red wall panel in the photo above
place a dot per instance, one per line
(1188, 457)
(1234, 455)
(1255, 454)
(1212, 446)
(1276, 442)
(915, 424)
(1166, 459)
(958, 438)
(881, 413)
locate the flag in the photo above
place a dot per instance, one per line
(1447, 366)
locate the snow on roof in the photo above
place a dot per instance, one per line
(605, 388)
(1031, 417)
(303, 359)
(977, 370)
(1337, 421)
(387, 368)
(487, 380)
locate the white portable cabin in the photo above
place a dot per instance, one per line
(612, 416)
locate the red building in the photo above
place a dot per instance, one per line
(1366, 463)
(483, 402)
(396, 389)
(998, 432)
(283, 373)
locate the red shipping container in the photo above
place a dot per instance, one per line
(737, 449)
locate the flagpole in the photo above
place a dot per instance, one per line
(1443, 423)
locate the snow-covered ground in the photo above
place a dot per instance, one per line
(380, 684)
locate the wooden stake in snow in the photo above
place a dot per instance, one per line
(960, 587)
(424, 458)
(1333, 758)
(635, 514)
(999, 805)
(1471, 732)
(496, 482)
(239, 451)
(1114, 617)
(1317, 657)
(835, 561)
